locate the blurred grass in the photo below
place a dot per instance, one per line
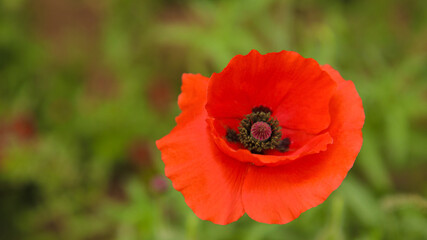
(87, 86)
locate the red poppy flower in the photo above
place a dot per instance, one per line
(271, 135)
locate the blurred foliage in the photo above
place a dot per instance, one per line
(86, 87)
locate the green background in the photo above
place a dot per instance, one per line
(86, 87)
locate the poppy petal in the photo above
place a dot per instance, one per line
(280, 194)
(210, 181)
(302, 144)
(305, 144)
(287, 83)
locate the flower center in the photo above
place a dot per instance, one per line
(261, 131)
(258, 132)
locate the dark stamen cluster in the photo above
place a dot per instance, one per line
(257, 144)
(232, 135)
(252, 144)
(261, 109)
(283, 145)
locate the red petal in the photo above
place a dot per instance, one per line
(280, 194)
(290, 85)
(302, 144)
(209, 180)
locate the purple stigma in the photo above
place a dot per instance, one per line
(261, 131)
